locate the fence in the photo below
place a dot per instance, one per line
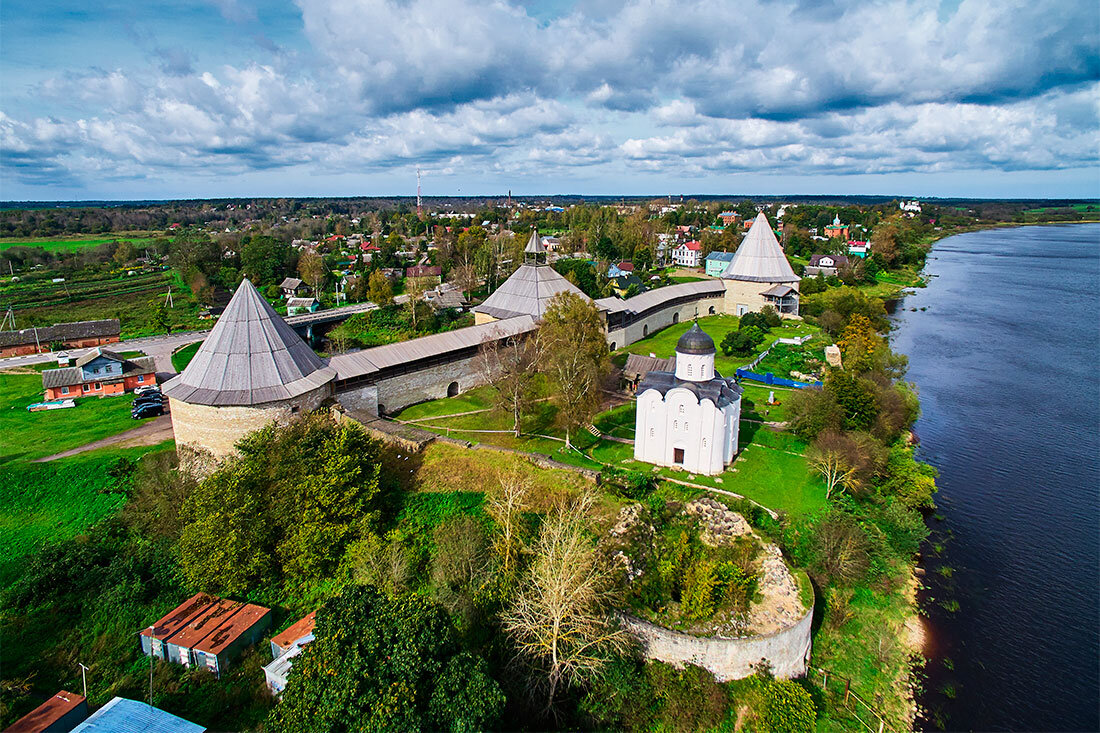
(770, 378)
(852, 702)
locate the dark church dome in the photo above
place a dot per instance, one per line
(695, 341)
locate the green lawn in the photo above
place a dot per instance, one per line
(27, 435)
(47, 502)
(754, 402)
(663, 342)
(66, 244)
(183, 356)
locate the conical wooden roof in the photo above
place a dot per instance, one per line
(760, 258)
(534, 244)
(250, 357)
(527, 292)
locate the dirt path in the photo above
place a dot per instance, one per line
(152, 432)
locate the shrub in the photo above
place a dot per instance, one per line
(788, 708)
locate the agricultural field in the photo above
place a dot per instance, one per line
(74, 243)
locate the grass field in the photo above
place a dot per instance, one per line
(47, 502)
(182, 357)
(69, 244)
(663, 342)
(25, 435)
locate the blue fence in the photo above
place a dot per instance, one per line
(770, 378)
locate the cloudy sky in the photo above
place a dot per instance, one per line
(116, 99)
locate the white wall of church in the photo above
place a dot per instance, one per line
(677, 420)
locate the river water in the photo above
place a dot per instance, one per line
(1006, 361)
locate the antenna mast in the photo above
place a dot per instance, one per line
(419, 202)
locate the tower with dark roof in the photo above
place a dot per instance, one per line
(252, 369)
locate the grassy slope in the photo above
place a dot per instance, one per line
(182, 357)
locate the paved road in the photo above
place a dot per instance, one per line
(151, 432)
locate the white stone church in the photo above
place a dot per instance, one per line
(690, 417)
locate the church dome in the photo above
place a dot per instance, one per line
(695, 341)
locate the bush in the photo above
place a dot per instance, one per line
(788, 708)
(627, 483)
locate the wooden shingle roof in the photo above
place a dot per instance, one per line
(251, 357)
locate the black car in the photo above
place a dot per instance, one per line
(152, 398)
(146, 409)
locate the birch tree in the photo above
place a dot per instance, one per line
(508, 366)
(575, 357)
(561, 621)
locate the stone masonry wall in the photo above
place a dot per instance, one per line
(662, 318)
(787, 651)
(217, 429)
(396, 393)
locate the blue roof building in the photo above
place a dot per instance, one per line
(717, 262)
(130, 716)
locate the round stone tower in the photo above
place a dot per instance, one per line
(250, 371)
(695, 356)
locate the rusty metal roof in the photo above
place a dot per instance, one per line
(47, 714)
(251, 357)
(205, 623)
(303, 626)
(181, 615)
(231, 628)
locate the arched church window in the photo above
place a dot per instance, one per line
(704, 442)
(675, 424)
(689, 370)
(681, 409)
(651, 432)
(685, 425)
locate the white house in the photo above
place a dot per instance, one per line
(690, 417)
(687, 254)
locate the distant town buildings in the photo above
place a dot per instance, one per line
(912, 207)
(687, 254)
(836, 230)
(77, 335)
(825, 265)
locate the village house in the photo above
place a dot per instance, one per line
(445, 295)
(717, 262)
(620, 268)
(622, 284)
(687, 254)
(729, 217)
(296, 306)
(99, 373)
(292, 287)
(825, 265)
(859, 249)
(205, 631)
(122, 715)
(78, 335)
(836, 230)
(432, 271)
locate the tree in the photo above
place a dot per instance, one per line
(811, 411)
(124, 252)
(159, 320)
(266, 259)
(288, 507)
(856, 395)
(830, 462)
(561, 621)
(415, 288)
(508, 367)
(311, 266)
(788, 708)
(860, 344)
(507, 508)
(381, 663)
(379, 290)
(574, 355)
(465, 278)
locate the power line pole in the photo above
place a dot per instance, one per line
(152, 652)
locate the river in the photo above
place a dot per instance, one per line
(1006, 361)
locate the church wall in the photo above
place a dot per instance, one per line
(638, 330)
(787, 651)
(677, 420)
(217, 429)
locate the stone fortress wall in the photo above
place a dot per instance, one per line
(787, 651)
(217, 429)
(706, 305)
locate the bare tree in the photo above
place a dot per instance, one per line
(506, 509)
(508, 366)
(834, 468)
(414, 288)
(561, 621)
(465, 278)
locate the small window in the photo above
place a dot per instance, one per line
(141, 378)
(98, 386)
(294, 409)
(689, 370)
(675, 424)
(651, 432)
(685, 425)
(704, 442)
(64, 390)
(87, 387)
(681, 409)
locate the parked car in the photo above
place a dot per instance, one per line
(148, 409)
(147, 389)
(148, 399)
